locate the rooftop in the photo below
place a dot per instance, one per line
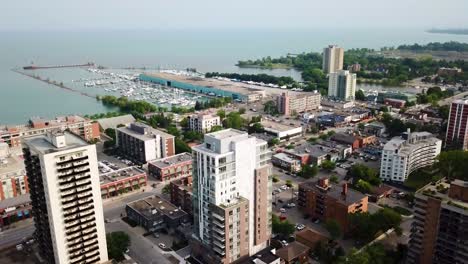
(142, 131)
(226, 133)
(285, 157)
(11, 165)
(169, 161)
(113, 122)
(292, 251)
(43, 144)
(183, 184)
(276, 126)
(415, 140)
(120, 174)
(38, 122)
(440, 191)
(310, 149)
(230, 86)
(335, 191)
(146, 207)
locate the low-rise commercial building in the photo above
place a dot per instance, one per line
(280, 131)
(154, 213)
(374, 128)
(203, 122)
(407, 97)
(325, 201)
(171, 168)
(397, 103)
(439, 231)
(337, 104)
(449, 71)
(348, 139)
(182, 193)
(289, 104)
(114, 122)
(403, 155)
(80, 126)
(142, 143)
(286, 162)
(122, 181)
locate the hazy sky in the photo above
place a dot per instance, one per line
(169, 14)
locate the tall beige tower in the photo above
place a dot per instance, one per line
(66, 198)
(332, 59)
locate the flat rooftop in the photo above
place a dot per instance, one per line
(267, 124)
(149, 135)
(226, 133)
(230, 86)
(11, 165)
(172, 160)
(146, 205)
(440, 190)
(334, 191)
(43, 145)
(120, 174)
(181, 184)
(285, 157)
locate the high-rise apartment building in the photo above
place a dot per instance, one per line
(203, 122)
(66, 198)
(298, 103)
(403, 155)
(439, 232)
(231, 195)
(332, 59)
(457, 127)
(342, 85)
(143, 143)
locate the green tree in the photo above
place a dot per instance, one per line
(117, 244)
(361, 171)
(242, 111)
(110, 132)
(453, 164)
(328, 165)
(270, 108)
(256, 128)
(221, 113)
(234, 120)
(181, 146)
(275, 178)
(363, 186)
(308, 171)
(173, 131)
(289, 183)
(216, 128)
(166, 189)
(334, 179)
(333, 228)
(284, 228)
(273, 142)
(360, 95)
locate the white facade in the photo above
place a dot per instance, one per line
(203, 122)
(332, 59)
(225, 168)
(342, 85)
(402, 156)
(72, 195)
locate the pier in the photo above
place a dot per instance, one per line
(34, 67)
(60, 85)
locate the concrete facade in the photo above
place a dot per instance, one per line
(332, 59)
(298, 103)
(342, 85)
(203, 123)
(171, 168)
(457, 127)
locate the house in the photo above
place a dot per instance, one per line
(310, 238)
(294, 253)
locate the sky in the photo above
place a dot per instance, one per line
(222, 14)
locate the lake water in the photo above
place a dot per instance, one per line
(22, 97)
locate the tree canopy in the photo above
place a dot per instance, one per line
(117, 244)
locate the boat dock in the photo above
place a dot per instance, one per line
(34, 67)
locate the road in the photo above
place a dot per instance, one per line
(448, 100)
(16, 235)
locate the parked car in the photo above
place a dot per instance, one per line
(282, 210)
(162, 245)
(284, 243)
(291, 205)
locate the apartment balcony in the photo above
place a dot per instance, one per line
(219, 251)
(75, 186)
(79, 222)
(60, 163)
(220, 225)
(83, 249)
(79, 210)
(82, 240)
(81, 229)
(77, 199)
(74, 237)
(74, 173)
(73, 166)
(218, 217)
(218, 244)
(219, 230)
(218, 237)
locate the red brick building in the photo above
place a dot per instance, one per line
(122, 181)
(171, 168)
(181, 193)
(325, 201)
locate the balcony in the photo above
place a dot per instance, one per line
(80, 223)
(78, 210)
(73, 166)
(74, 172)
(219, 251)
(71, 160)
(81, 234)
(216, 243)
(82, 240)
(219, 230)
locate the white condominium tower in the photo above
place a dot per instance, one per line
(232, 196)
(342, 85)
(66, 198)
(403, 155)
(332, 59)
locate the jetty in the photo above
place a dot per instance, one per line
(35, 67)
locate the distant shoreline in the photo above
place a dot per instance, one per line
(449, 31)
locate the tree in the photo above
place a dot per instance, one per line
(283, 228)
(117, 244)
(256, 128)
(110, 132)
(273, 142)
(333, 228)
(242, 111)
(221, 113)
(173, 131)
(289, 183)
(453, 164)
(216, 128)
(234, 120)
(365, 226)
(166, 189)
(308, 171)
(359, 95)
(361, 171)
(271, 108)
(363, 186)
(361, 126)
(184, 123)
(328, 165)
(334, 179)
(181, 146)
(275, 178)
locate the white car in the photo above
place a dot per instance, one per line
(162, 245)
(284, 187)
(282, 210)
